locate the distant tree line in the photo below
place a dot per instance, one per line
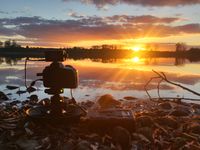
(9, 44)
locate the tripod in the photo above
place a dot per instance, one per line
(58, 110)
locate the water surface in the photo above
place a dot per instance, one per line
(119, 77)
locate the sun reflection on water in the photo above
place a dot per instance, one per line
(135, 59)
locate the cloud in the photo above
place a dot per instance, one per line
(3, 12)
(6, 31)
(159, 3)
(94, 28)
(143, 19)
(75, 14)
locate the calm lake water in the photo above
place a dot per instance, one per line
(119, 77)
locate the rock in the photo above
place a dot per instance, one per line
(3, 96)
(195, 128)
(147, 132)
(129, 98)
(31, 89)
(121, 137)
(15, 102)
(68, 145)
(107, 101)
(144, 121)
(45, 101)
(87, 104)
(33, 98)
(10, 87)
(103, 147)
(94, 137)
(137, 137)
(9, 146)
(167, 121)
(27, 144)
(180, 113)
(165, 105)
(107, 140)
(83, 145)
(195, 106)
(178, 143)
(20, 92)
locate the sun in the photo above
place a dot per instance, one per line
(136, 48)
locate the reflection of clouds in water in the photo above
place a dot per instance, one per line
(128, 75)
(122, 85)
(98, 80)
(100, 75)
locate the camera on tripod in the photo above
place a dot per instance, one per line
(57, 76)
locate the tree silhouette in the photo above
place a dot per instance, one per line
(1, 44)
(11, 44)
(180, 47)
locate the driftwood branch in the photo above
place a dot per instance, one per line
(145, 86)
(163, 77)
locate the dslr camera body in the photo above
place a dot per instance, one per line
(57, 76)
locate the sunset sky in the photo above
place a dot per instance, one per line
(63, 23)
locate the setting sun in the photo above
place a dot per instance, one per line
(137, 48)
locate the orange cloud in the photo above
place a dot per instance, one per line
(94, 28)
(160, 3)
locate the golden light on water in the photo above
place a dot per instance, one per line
(135, 59)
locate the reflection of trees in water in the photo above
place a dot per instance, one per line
(155, 61)
(105, 60)
(151, 61)
(1, 60)
(9, 60)
(179, 61)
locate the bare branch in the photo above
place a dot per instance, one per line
(145, 86)
(163, 77)
(158, 87)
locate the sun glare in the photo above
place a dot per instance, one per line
(135, 59)
(136, 49)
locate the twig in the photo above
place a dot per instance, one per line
(158, 87)
(184, 98)
(145, 86)
(163, 76)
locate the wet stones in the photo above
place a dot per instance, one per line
(144, 121)
(27, 144)
(83, 145)
(147, 132)
(167, 121)
(195, 128)
(70, 144)
(180, 113)
(122, 137)
(165, 105)
(107, 101)
(33, 99)
(11, 87)
(3, 97)
(87, 104)
(129, 98)
(31, 89)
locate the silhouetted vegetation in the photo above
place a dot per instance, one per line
(104, 52)
(10, 44)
